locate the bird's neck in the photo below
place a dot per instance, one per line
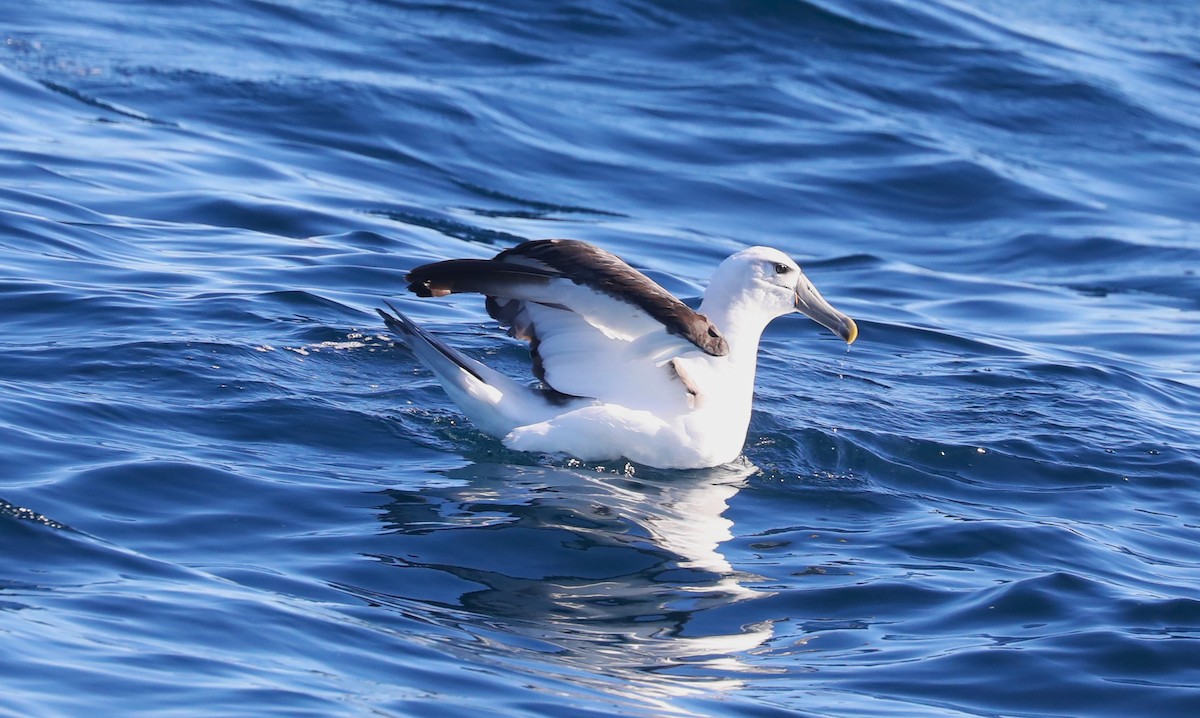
(742, 323)
(722, 415)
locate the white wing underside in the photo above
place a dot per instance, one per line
(593, 345)
(597, 327)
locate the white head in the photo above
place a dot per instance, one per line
(764, 283)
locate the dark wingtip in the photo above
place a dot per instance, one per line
(388, 319)
(418, 284)
(395, 323)
(438, 279)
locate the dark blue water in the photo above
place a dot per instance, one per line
(226, 493)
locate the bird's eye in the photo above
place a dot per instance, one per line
(781, 268)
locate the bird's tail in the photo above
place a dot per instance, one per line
(495, 403)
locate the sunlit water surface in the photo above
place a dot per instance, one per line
(227, 493)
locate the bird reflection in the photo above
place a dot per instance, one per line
(617, 572)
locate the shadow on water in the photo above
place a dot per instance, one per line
(615, 574)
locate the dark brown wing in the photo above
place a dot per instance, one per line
(535, 272)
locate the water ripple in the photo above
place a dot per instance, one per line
(227, 487)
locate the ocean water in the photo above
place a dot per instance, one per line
(227, 493)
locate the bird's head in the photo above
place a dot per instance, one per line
(770, 282)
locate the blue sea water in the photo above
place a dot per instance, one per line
(227, 493)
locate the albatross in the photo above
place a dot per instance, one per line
(624, 368)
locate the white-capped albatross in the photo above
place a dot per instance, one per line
(626, 369)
